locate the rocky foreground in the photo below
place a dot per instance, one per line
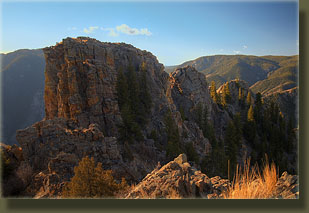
(178, 179)
(174, 180)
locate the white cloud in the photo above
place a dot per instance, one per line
(245, 47)
(236, 51)
(221, 50)
(133, 31)
(112, 33)
(145, 31)
(90, 29)
(297, 43)
(125, 29)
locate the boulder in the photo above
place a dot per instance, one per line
(177, 179)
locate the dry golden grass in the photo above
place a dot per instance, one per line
(249, 183)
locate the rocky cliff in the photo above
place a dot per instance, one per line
(81, 76)
(115, 103)
(83, 117)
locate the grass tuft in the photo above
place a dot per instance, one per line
(250, 183)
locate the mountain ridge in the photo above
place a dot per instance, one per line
(222, 68)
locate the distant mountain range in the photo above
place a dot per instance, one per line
(265, 74)
(22, 89)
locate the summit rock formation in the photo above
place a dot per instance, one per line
(82, 115)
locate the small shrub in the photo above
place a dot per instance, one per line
(91, 181)
(191, 153)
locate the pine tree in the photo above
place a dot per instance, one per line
(241, 98)
(134, 103)
(250, 114)
(258, 108)
(129, 130)
(133, 91)
(199, 115)
(122, 89)
(238, 128)
(145, 101)
(250, 127)
(213, 92)
(91, 181)
(191, 152)
(227, 93)
(274, 112)
(249, 98)
(240, 94)
(291, 136)
(173, 139)
(232, 145)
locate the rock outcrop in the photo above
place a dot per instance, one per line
(46, 140)
(287, 102)
(287, 187)
(189, 89)
(82, 114)
(81, 76)
(178, 179)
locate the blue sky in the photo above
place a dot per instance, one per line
(173, 31)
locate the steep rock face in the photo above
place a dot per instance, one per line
(178, 179)
(188, 88)
(81, 76)
(82, 113)
(287, 102)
